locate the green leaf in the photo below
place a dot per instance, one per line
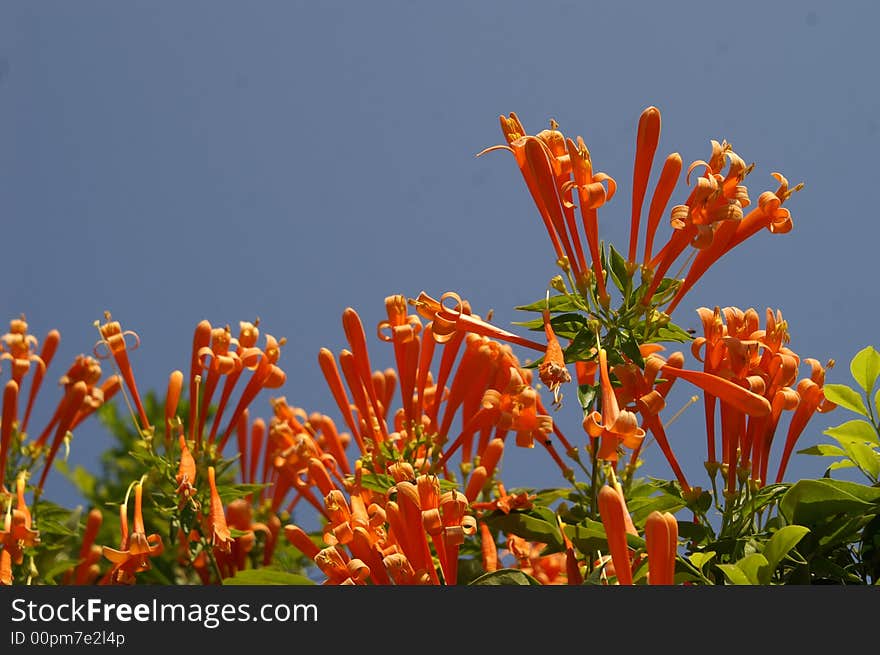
(865, 457)
(581, 347)
(811, 501)
(589, 536)
(565, 326)
(630, 347)
(823, 450)
(865, 367)
(587, 395)
(843, 464)
(528, 527)
(671, 332)
(855, 429)
(558, 303)
(506, 577)
(780, 544)
(700, 559)
(266, 577)
(734, 574)
(842, 395)
(641, 507)
(756, 568)
(619, 275)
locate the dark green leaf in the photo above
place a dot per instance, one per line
(506, 577)
(582, 346)
(619, 275)
(587, 396)
(565, 326)
(528, 527)
(671, 332)
(267, 577)
(558, 303)
(630, 347)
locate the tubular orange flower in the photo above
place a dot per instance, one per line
(113, 340)
(661, 540)
(552, 370)
(221, 536)
(613, 425)
(16, 534)
(10, 411)
(612, 509)
(87, 571)
(488, 549)
(135, 549)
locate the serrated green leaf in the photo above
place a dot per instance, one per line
(266, 577)
(810, 501)
(734, 574)
(865, 367)
(558, 303)
(782, 541)
(506, 577)
(854, 429)
(846, 397)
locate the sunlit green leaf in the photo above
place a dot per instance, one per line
(808, 501)
(782, 541)
(506, 577)
(823, 450)
(845, 397)
(266, 576)
(756, 568)
(865, 367)
(700, 559)
(641, 507)
(854, 429)
(865, 457)
(734, 574)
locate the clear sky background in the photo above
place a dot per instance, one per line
(171, 162)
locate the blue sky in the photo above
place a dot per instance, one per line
(171, 162)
